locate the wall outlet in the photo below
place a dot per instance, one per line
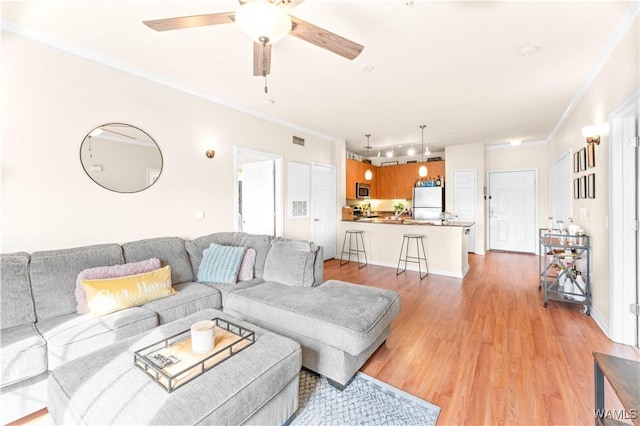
(584, 213)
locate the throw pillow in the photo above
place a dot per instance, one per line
(246, 267)
(290, 262)
(113, 294)
(220, 264)
(114, 271)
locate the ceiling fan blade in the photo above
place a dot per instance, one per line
(325, 39)
(190, 21)
(261, 59)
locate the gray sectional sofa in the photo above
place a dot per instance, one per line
(339, 325)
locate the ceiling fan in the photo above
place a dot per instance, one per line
(265, 22)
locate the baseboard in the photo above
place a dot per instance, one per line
(414, 267)
(599, 319)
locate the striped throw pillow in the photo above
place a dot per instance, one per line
(220, 264)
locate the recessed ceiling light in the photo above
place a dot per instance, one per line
(528, 50)
(411, 151)
(389, 154)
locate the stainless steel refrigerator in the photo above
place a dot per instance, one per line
(428, 202)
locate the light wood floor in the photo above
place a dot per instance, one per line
(483, 348)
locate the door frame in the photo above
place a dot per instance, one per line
(278, 186)
(474, 250)
(535, 205)
(334, 218)
(623, 278)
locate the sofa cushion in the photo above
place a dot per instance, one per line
(114, 294)
(72, 335)
(53, 275)
(343, 315)
(220, 264)
(262, 244)
(16, 306)
(170, 251)
(191, 298)
(225, 289)
(24, 353)
(197, 246)
(82, 307)
(290, 262)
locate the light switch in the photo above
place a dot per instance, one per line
(199, 214)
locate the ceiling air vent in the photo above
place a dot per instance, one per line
(298, 141)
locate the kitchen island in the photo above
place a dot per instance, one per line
(445, 243)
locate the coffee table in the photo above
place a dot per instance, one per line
(258, 385)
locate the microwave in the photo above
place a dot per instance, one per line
(363, 190)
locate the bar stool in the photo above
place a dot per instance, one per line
(353, 234)
(419, 238)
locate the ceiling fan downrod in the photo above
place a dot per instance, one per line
(264, 40)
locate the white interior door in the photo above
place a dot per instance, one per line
(512, 211)
(624, 211)
(324, 208)
(465, 201)
(258, 198)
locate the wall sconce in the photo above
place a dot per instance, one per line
(591, 134)
(210, 153)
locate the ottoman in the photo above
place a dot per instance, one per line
(258, 385)
(338, 324)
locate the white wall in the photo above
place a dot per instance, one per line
(462, 157)
(617, 80)
(527, 156)
(52, 99)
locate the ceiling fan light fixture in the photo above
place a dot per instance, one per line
(263, 22)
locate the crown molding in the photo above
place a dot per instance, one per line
(509, 146)
(618, 33)
(56, 43)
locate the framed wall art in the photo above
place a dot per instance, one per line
(576, 188)
(583, 186)
(591, 185)
(576, 162)
(591, 155)
(583, 159)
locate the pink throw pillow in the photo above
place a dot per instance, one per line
(246, 267)
(115, 271)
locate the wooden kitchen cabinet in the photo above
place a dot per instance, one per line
(386, 182)
(435, 169)
(355, 173)
(389, 182)
(406, 178)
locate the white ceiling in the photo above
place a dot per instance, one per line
(454, 66)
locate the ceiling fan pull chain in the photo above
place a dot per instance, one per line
(266, 90)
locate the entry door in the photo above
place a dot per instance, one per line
(465, 201)
(512, 207)
(258, 197)
(324, 209)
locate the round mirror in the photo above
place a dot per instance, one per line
(121, 158)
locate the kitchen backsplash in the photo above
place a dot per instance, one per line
(379, 205)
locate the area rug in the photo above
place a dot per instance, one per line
(366, 401)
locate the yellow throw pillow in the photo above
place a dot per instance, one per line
(113, 294)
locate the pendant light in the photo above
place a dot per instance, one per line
(422, 171)
(368, 174)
